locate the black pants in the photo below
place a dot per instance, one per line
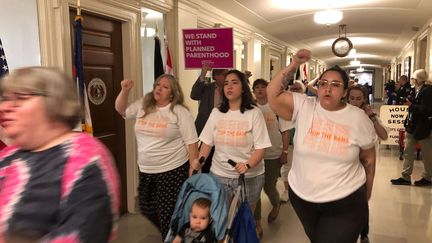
(365, 230)
(158, 195)
(339, 221)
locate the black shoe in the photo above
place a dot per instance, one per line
(400, 181)
(422, 182)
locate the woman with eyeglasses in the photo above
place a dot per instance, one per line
(334, 155)
(56, 185)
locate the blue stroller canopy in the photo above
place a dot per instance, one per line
(197, 186)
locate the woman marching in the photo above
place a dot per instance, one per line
(334, 155)
(238, 131)
(167, 146)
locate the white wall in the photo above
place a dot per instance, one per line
(150, 21)
(186, 19)
(19, 32)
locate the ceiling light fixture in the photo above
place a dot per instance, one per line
(360, 69)
(328, 17)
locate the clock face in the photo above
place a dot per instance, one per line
(342, 46)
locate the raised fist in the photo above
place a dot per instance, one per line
(302, 56)
(126, 84)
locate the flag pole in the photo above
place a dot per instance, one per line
(86, 123)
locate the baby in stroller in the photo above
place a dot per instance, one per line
(197, 229)
(203, 199)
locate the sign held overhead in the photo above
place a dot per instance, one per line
(213, 46)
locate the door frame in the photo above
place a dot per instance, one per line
(56, 51)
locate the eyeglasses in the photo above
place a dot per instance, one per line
(333, 84)
(18, 98)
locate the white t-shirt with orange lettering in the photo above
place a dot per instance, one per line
(326, 165)
(162, 136)
(235, 136)
(275, 126)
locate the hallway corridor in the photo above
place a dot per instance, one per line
(398, 214)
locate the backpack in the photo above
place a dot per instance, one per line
(243, 226)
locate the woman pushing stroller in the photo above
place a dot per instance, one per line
(238, 131)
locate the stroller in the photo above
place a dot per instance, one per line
(197, 186)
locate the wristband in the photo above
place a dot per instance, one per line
(248, 166)
(285, 151)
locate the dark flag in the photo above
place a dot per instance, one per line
(158, 64)
(79, 76)
(79, 71)
(4, 69)
(297, 75)
(305, 75)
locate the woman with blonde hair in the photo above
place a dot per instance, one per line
(167, 146)
(56, 185)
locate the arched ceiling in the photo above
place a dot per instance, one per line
(379, 29)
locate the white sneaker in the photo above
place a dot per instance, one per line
(284, 196)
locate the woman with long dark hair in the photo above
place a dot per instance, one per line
(238, 131)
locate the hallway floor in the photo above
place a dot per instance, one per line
(398, 214)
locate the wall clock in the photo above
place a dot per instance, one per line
(342, 45)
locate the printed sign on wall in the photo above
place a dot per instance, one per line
(393, 117)
(214, 46)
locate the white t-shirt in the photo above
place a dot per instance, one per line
(326, 164)
(162, 136)
(235, 136)
(275, 126)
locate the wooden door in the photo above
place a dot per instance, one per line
(103, 71)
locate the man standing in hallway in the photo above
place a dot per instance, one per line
(209, 95)
(418, 127)
(403, 91)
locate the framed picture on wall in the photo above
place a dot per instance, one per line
(407, 67)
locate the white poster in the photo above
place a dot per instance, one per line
(393, 117)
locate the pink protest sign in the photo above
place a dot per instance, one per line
(214, 46)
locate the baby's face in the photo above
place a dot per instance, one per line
(199, 218)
